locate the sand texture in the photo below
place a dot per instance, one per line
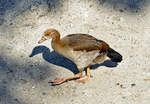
(26, 67)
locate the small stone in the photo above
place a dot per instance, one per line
(91, 6)
(16, 99)
(43, 93)
(21, 56)
(122, 86)
(123, 97)
(117, 83)
(11, 24)
(121, 10)
(10, 71)
(133, 84)
(33, 87)
(10, 46)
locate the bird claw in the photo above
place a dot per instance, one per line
(57, 81)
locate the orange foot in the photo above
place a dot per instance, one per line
(57, 81)
(83, 79)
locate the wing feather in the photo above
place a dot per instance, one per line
(83, 42)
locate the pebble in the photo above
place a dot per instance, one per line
(122, 86)
(123, 97)
(117, 83)
(133, 84)
(33, 87)
(11, 24)
(121, 10)
(10, 46)
(44, 93)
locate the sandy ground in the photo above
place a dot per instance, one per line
(26, 67)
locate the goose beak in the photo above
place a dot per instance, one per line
(42, 40)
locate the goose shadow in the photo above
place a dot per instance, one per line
(56, 59)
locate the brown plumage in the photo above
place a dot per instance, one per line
(83, 49)
(81, 42)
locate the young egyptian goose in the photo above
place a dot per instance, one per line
(83, 49)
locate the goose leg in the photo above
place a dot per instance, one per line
(59, 81)
(85, 78)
